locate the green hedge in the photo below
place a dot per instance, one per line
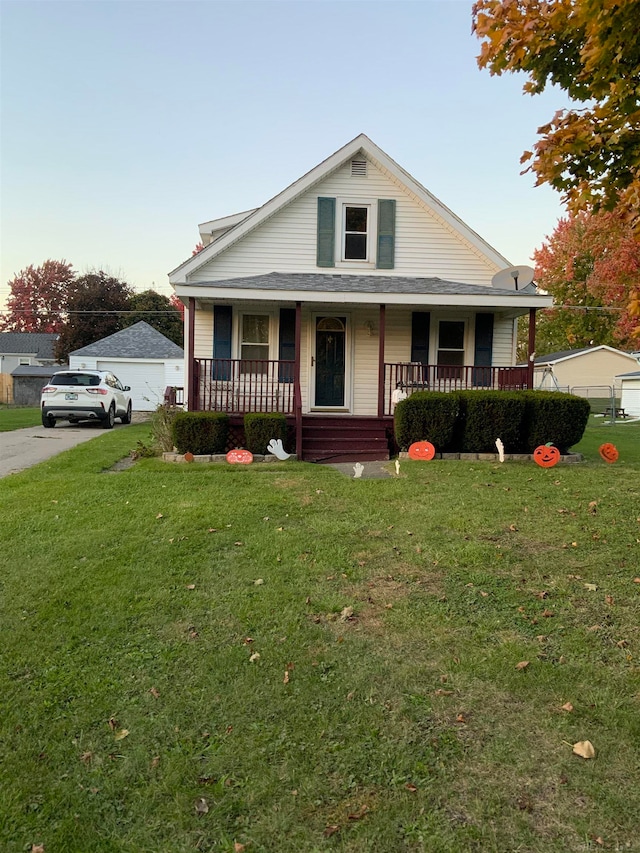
(471, 421)
(552, 416)
(426, 416)
(201, 433)
(260, 428)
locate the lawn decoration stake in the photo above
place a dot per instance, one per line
(609, 452)
(358, 468)
(275, 447)
(500, 446)
(422, 450)
(546, 455)
(239, 457)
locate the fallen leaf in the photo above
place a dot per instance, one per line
(441, 692)
(411, 787)
(622, 644)
(37, 848)
(191, 586)
(155, 761)
(359, 814)
(285, 680)
(484, 594)
(608, 599)
(238, 848)
(238, 543)
(154, 693)
(113, 723)
(122, 734)
(201, 806)
(513, 528)
(636, 580)
(593, 507)
(347, 613)
(259, 581)
(461, 718)
(522, 665)
(213, 530)
(547, 614)
(254, 656)
(86, 757)
(592, 587)
(159, 515)
(584, 748)
(567, 707)
(331, 830)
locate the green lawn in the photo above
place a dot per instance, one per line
(17, 417)
(282, 658)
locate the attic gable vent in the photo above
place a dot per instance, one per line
(358, 168)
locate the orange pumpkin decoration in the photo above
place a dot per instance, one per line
(546, 455)
(609, 452)
(422, 450)
(239, 457)
(188, 456)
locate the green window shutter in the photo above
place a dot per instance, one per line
(287, 343)
(420, 323)
(326, 232)
(221, 340)
(386, 234)
(483, 350)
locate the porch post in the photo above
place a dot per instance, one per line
(532, 346)
(297, 394)
(381, 326)
(191, 364)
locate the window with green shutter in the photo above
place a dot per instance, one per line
(386, 234)
(325, 249)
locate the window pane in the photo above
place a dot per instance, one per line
(255, 328)
(356, 219)
(355, 247)
(450, 357)
(451, 334)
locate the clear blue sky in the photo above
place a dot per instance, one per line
(125, 124)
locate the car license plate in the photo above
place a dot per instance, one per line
(70, 396)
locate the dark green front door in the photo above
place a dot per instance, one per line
(330, 361)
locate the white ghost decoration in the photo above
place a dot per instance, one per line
(358, 468)
(500, 447)
(275, 447)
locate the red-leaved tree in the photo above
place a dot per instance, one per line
(38, 298)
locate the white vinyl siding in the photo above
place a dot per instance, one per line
(424, 244)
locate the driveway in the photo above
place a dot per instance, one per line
(22, 448)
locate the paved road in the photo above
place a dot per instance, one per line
(22, 448)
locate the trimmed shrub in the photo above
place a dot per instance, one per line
(487, 415)
(426, 416)
(551, 416)
(201, 433)
(261, 427)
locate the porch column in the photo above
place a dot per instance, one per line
(532, 346)
(191, 363)
(381, 322)
(297, 394)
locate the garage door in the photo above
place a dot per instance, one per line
(146, 379)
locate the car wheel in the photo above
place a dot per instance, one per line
(110, 419)
(48, 421)
(126, 419)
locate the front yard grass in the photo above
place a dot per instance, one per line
(281, 658)
(18, 417)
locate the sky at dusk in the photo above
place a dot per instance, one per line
(125, 123)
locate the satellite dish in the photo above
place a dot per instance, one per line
(513, 278)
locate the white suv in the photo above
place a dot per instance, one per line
(80, 395)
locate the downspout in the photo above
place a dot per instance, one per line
(297, 395)
(191, 362)
(532, 347)
(381, 324)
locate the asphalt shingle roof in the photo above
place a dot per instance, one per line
(138, 341)
(39, 344)
(356, 284)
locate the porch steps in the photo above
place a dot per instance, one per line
(335, 438)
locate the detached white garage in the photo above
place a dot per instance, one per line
(630, 393)
(140, 356)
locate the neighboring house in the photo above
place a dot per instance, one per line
(140, 356)
(351, 284)
(26, 349)
(589, 367)
(630, 392)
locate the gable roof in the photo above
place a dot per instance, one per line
(361, 144)
(564, 355)
(39, 344)
(138, 341)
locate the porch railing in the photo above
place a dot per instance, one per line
(236, 385)
(411, 377)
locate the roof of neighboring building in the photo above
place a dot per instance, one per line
(635, 374)
(138, 341)
(38, 344)
(572, 353)
(39, 370)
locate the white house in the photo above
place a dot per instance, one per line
(351, 283)
(140, 356)
(630, 393)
